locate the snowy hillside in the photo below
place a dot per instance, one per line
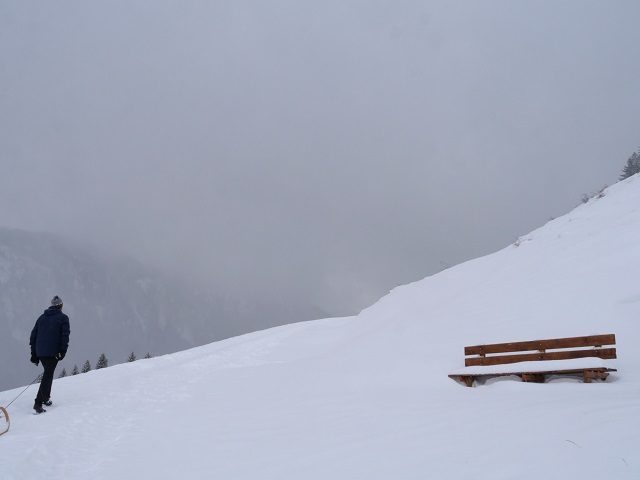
(368, 397)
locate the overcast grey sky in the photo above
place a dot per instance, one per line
(328, 150)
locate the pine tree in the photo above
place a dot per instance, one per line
(132, 357)
(102, 362)
(87, 367)
(632, 167)
(75, 370)
(63, 373)
(148, 355)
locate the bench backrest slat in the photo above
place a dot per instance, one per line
(542, 347)
(604, 353)
(572, 342)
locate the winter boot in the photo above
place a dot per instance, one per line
(47, 403)
(38, 408)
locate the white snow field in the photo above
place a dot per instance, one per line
(368, 397)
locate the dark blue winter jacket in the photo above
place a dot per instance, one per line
(50, 335)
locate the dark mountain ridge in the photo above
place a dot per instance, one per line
(115, 305)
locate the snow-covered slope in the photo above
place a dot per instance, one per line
(368, 397)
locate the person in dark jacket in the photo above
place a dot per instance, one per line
(49, 343)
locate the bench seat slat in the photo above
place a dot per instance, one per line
(532, 372)
(576, 364)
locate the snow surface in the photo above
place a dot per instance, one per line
(368, 397)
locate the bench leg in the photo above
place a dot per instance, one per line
(466, 379)
(590, 375)
(532, 377)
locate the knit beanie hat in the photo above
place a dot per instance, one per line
(56, 301)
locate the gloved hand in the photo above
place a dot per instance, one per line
(34, 359)
(61, 355)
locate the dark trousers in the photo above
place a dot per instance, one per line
(44, 392)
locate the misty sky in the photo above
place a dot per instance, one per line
(323, 150)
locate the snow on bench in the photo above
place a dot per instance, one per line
(584, 355)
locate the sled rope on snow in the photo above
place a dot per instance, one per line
(488, 356)
(4, 415)
(3, 410)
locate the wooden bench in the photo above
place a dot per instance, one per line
(561, 356)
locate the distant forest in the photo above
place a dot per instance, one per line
(103, 362)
